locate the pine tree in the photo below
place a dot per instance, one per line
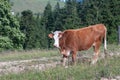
(72, 20)
(41, 39)
(47, 22)
(114, 19)
(57, 18)
(28, 27)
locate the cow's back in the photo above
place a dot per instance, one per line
(82, 39)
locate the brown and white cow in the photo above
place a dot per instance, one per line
(73, 40)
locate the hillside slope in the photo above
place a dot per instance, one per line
(37, 6)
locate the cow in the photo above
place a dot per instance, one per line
(73, 40)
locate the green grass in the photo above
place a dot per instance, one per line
(37, 6)
(109, 67)
(36, 54)
(31, 54)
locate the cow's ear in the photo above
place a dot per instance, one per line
(60, 34)
(50, 35)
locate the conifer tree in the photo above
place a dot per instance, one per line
(28, 27)
(57, 18)
(41, 39)
(47, 22)
(72, 20)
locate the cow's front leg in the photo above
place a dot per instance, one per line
(65, 54)
(74, 57)
(64, 60)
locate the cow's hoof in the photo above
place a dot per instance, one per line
(61, 60)
(66, 66)
(93, 62)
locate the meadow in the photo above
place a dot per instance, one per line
(108, 67)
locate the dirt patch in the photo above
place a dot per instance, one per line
(114, 78)
(24, 65)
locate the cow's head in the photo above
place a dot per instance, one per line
(56, 36)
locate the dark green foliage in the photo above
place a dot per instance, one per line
(73, 15)
(5, 43)
(72, 20)
(32, 29)
(67, 17)
(47, 22)
(10, 34)
(27, 26)
(41, 37)
(57, 18)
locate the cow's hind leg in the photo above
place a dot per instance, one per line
(74, 55)
(96, 51)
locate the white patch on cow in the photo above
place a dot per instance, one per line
(56, 38)
(105, 44)
(68, 53)
(94, 44)
(65, 52)
(105, 41)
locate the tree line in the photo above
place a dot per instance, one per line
(29, 31)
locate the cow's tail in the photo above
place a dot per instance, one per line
(105, 42)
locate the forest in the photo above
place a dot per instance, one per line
(28, 31)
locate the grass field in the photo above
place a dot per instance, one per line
(109, 67)
(79, 72)
(28, 54)
(37, 6)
